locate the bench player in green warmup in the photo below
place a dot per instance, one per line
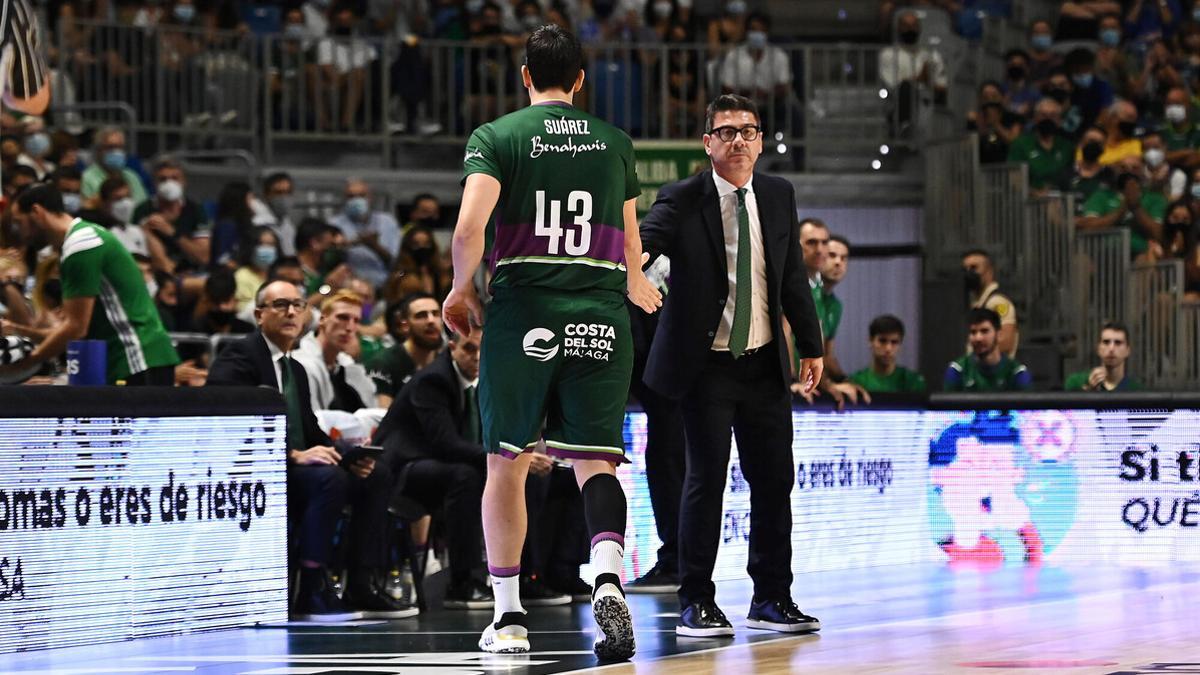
(561, 187)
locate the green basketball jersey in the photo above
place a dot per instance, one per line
(565, 176)
(95, 265)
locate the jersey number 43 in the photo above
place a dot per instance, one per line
(575, 241)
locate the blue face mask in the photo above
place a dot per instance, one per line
(37, 145)
(71, 202)
(1041, 42)
(264, 256)
(114, 160)
(1082, 80)
(1110, 37)
(294, 31)
(185, 13)
(357, 207)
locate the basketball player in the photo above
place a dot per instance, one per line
(557, 347)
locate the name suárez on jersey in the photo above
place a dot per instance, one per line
(569, 147)
(565, 127)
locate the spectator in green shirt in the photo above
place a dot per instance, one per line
(1128, 205)
(1110, 375)
(986, 368)
(1180, 133)
(1046, 153)
(887, 334)
(1089, 175)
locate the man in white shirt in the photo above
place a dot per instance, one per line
(911, 72)
(336, 381)
(760, 72)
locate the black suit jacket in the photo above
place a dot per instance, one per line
(427, 418)
(247, 363)
(685, 225)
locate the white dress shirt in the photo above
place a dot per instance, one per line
(760, 317)
(311, 355)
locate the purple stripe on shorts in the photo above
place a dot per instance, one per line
(504, 571)
(582, 454)
(513, 240)
(608, 536)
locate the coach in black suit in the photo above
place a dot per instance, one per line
(318, 488)
(736, 272)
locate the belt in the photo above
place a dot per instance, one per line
(717, 353)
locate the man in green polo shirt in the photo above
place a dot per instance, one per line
(887, 334)
(104, 294)
(1047, 154)
(1128, 206)
(986, 368)
(1110, 375)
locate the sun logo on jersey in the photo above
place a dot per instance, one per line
(529, 344)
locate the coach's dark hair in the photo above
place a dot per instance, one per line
(1118, 326)
(841, 240)
(726, 103)
(554, 58)
(886, 324)
(44, 195)
(983, 315)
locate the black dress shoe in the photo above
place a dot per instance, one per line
(469, 594)
(780, 615)
(316, 599)
(370, 601)
(657, 580)
(703, 619)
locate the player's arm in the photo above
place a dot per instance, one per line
(78, 313)
(640, 290)
(462, 305)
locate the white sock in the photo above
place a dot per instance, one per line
(607, 558)
(507, 591)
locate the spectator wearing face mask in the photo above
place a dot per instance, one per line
(215, 313)
(255, 259)
(1058, 87)
(1080, 19)
(729, 28)
(1180, 134)
(426, 211)
(419, 268)
(1112, 64)
(1091, 94)
(1157, 174)
(1181, 236)
(1019, 90)
(373, 235)
(1089, 174)
(757, 70)
(342, 62)
(1046, 153)
(278, 192)
(911, 72)
(176, 220)
(1128, 205)
(1043, 60)
(112, 208)
(67, 179)
(110, 160)
(983, 292)
(1121, 124)
(36, 148)
(996, 126)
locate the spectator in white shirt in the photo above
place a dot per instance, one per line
(336, 381)
(342, 60)
(911, 72)
(760, 72)
(373, 236)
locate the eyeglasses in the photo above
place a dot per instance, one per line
(282, 305)
(727, 134)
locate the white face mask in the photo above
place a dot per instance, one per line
(152, 288)
(122, 209)
(1176, 114)
(1155, 157)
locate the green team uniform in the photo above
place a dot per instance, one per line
(1083, 188)
(831, 315)
(1046, 167)
(95, 265)
(1187, 138)
(902, 380)
(391, 369)
(556, 344)
(1106, 200)
(1079, 382)
(968, 373)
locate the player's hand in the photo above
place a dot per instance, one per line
(540, 465)
(462, 310)
(811, 371)
(1096, 378)
(640, 291)
(318, 454)
(363, 467)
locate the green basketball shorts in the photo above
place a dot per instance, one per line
(559, 361)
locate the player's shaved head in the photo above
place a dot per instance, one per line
(554, 58)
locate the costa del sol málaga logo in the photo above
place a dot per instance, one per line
(541, 353)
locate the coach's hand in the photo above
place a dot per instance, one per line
(318, 454)
(640, 290)
(462, 310)
(811, 371)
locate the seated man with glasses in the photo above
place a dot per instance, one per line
(319, 486)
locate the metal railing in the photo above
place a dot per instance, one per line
(204, 88)
(1044, 264)
(952, 195)
(1005, 193)
(1100, 288)
(1157, 291)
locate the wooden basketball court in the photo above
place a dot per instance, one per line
(926, 619)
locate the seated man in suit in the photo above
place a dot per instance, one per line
(431, 440)
(318, 487)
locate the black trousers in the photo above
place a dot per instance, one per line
(158, 376)
(749, 396)
(556, 543)
(664, 465)
(457, 489)
(317, 494)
